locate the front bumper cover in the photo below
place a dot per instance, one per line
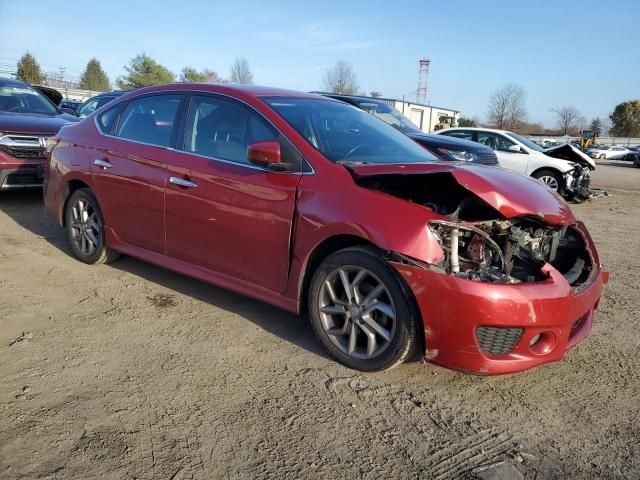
(453, 308)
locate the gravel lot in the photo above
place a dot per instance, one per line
(132, 371)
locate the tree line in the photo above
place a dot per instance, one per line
(506, 110)
(141, 71)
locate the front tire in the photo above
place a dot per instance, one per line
(362, 311)
(602, 156)
(85, 229)
(551, 179)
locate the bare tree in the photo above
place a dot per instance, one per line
(568, 118)
(507, 109)
(240, 71)
(341, 78)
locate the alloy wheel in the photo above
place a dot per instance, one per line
(85, 227)
(550, 182)
(357, 312)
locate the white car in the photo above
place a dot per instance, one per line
(605, 151)
(564, 168)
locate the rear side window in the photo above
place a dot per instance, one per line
(149, 119)
(105, 120)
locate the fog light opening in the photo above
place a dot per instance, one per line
(542, 343)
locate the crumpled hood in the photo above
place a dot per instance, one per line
(572, 154)
(36, 124)
(511, 194)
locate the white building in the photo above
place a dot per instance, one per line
(426, 117)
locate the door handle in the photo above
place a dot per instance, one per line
(182, 182)
(102, 164)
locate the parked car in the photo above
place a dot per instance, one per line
(27, 118)
(564, 169)
(446, 149)
(315, 206)
(92, 104)
(71, 105)
(614, 152)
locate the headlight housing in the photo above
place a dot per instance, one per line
(459, 156)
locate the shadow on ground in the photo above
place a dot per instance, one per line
(26, 209)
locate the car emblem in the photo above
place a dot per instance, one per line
(43, 142)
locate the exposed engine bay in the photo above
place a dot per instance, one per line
(481, 244)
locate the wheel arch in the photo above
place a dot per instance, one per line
(321, 251)
(71, 186)
(548, 169)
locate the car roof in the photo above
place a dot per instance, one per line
(5, 81)
(230, 88)
(478, 129)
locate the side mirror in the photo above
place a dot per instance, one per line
(514, 148)
(68, 110)
(265, 154)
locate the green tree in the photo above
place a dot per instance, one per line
(625, 119)
(143, 71)
(467, 122)
(94, 77)
(29, 70)
(191, 75)
(596, 126)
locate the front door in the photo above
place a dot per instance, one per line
(130, 170)
(223, 213)
(516, 161)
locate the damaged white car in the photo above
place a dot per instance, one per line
(564, 168)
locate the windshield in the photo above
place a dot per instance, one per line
(346, 134)
(389, 115)
(526, 142)
(18, 99)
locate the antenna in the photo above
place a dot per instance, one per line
(422, 80)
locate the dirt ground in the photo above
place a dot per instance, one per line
(131, 371)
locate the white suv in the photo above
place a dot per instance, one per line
(564, 168)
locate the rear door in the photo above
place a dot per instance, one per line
(223, 213)
(130, 169)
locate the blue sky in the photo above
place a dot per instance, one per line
(582, 53)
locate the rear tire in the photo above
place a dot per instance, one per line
(85, 229)
(362, 311)
(551, 179)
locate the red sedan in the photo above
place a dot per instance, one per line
(315, 206)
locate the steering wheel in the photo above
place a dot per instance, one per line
(355, 149)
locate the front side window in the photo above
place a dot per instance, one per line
(19, 99)
(494, 141)
(149, 119)
(221, 128)
(345, 134)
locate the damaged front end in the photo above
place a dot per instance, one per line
(577, 179)
(515, 278)
(493, 225)
(511, 251)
